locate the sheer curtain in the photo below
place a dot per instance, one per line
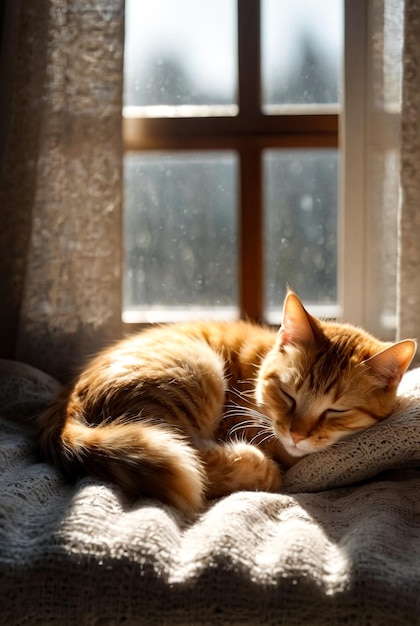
(60, 187)
(60, 183)
(408, 303)
(392, 166)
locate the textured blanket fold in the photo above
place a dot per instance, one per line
(340, 545)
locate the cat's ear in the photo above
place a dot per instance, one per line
(390, 364)
(297, 325)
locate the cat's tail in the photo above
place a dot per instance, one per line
(141, 457)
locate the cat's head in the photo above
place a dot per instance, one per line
(323, 381)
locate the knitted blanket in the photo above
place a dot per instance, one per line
(340, 545)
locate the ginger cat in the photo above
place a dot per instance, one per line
(194, 411)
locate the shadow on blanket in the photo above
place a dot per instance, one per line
(341, 545)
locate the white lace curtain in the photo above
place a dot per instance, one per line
(408, 281)
(60, 184)
(60, 187)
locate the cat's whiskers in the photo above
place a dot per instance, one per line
(267, 437)
(263, 431)
(243, 393)
(243, 425)
(255, 420)
(237, 410)
(262, 422)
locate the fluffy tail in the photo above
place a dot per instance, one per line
(142, 458)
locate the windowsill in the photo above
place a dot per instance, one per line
(301, 109)
(163, 314)
(224, 110)
(180, 111)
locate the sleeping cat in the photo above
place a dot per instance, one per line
(194, 411)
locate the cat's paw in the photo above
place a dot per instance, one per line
(239, 466)
(256, 470)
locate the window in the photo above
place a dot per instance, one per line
(231, 156)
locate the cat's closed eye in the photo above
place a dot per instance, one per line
(333, 412)
(288, 397)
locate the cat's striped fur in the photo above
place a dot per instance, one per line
(193, 411)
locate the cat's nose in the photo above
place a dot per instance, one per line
(297, 438)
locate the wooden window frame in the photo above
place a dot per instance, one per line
(248, 133)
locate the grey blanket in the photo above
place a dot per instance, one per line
(341, 545)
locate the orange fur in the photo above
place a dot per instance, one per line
(189, 412)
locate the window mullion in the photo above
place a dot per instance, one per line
(317, 128)
(249, 57)
(251, 269)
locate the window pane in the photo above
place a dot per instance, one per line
(302, 43)
(300, 228)
(180, 52)
(180, 232)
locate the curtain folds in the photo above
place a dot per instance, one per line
(60, 188)
(408, 294)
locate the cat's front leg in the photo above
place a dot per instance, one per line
(238, 466)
